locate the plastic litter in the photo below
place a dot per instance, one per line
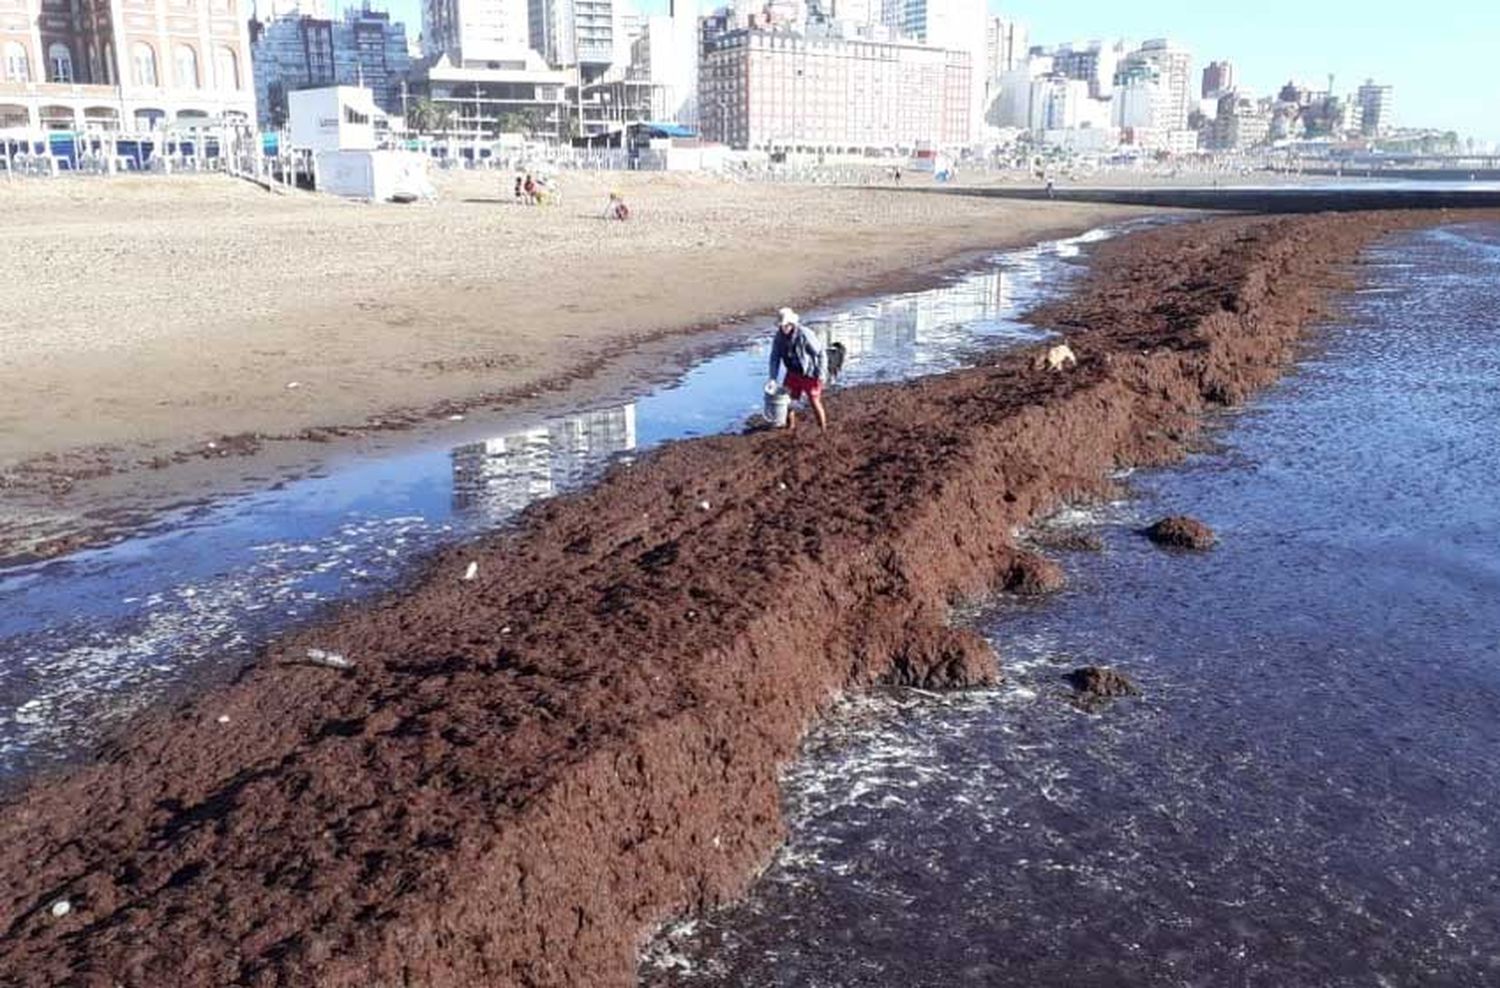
(472, 571)
(61, 908)
(703, 505)
(223, 718)
(332, 660)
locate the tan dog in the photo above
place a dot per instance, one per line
(1056, 358)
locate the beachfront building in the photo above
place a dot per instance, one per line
(123, 64)
(1172, 67)
(665, 59)
(300, 51)
(574, 33)
(1242, 122)
(953, 25)
(479, 75)
(1375, 109)
(1092, 62)
(1011, 91)
(773, 89)
(1218, 79)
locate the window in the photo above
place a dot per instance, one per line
(60, 61)
(17, 64)
(187, 67)
(143, 61)
(226, 68)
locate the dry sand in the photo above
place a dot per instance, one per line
(147, 316)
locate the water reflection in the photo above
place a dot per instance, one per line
(90, 637)
(496, 478)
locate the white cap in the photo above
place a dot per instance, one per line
(787, 316)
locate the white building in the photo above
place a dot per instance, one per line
(1174, 67)
(665, 57)
(955, 25)
(476, 31)
(1010, 104)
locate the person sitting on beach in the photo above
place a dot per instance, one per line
(533, 195)
(520, 189)
(802, 353)
(616, 209)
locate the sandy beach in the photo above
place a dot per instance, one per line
(154, 316)
(521, 773)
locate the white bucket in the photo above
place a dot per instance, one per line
(778, 403)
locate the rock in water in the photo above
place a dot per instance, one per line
(1101, 683)
(1032, 575)
(1181, 532)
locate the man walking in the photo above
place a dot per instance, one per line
(806, 360)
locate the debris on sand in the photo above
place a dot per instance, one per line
(1181, 532)
(331, 660)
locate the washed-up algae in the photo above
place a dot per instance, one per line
(521, 773)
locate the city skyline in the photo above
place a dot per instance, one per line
(1274, 42)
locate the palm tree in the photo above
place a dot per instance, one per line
(426, 116)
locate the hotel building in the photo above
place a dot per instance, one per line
(769, 89)
(123, 64)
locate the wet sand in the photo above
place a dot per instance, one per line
(522, 773)
(162, 324)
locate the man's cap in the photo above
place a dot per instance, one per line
(787, 316)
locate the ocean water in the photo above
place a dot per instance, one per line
(1308, 791)
(89, 639)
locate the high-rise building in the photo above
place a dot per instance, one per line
(108, 64)
(574, 32)
(1093, 62)
(1218, 79)
(957, 25)
(1375, 109)
(665, 58)
(1242, 122)
(1011, 105)
(366, 48)
(1005, 45)
(764, 89)
(476, 30)
(1175, 66)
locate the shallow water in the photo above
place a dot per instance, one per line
(1308, 793)
(90, 638)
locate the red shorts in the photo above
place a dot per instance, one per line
(797, 386)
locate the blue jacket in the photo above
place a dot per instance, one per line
(802, 352)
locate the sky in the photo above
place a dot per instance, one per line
(1443, 67)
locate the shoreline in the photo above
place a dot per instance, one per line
(66, 486)
(521, 774)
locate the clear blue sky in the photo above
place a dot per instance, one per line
(1445, 66)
